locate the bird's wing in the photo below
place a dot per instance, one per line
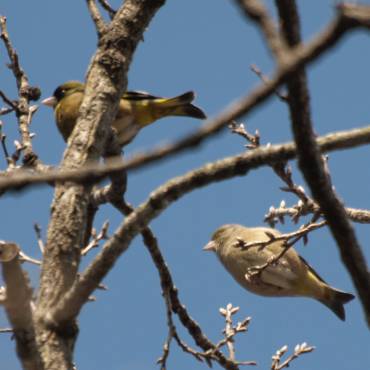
(279, 275)
(312, 270)
(138, 95)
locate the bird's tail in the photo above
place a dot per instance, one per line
(181, 106)
(335, 300)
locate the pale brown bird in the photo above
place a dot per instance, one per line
(291, 275)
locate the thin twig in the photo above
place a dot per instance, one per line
(18, 306)
(257, 12)
(261, 244)
(105, 5)
(281, 95)
(171, 332)
(96, 17)
(240, 130)
(106, 80)
(40, 242)
(6, 330)
(23, 257)
(287, 241)
(310, 159)
(95, 172)
(96, 238)
(13, 105)
(299, 350)
(229, 331)
(26, 93)
(174, 303)
(3, 145)
(4, 111)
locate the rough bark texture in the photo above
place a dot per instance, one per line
(45, 337)
(311, 164)
(106, 81)
(17, 304)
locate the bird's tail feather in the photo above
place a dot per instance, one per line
(189, 110)
(335, 301)
(181, 106)
(182, 99)
(178, 106)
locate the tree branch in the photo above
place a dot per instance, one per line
(177, 307)
(159, 200)
(106, 81)
(91, 173)
(311, 164)
(26, 93)
(256, 11)
(349, 17)
(105, 5)
(17, 305)
(96, 17)
(114, 194)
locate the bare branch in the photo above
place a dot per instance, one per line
(11, 103)
(4, 111)
(255, 10)
(17, 305)
(171, 331)
(40, 242)
(3, 145)
(299, 350)
(105, 83)
(169, 290)
(96, 238)
(349, 16)
(6, 330)
(24, 258)
(240, 130)
(96, 17)
(26, 93)
(100, 92)
(310, 160)
(159, 200)
(231, 331)
(277, 214)
(94, 172)
(105, 5)
(75, 196)
(309, 155)
(306, 205)
(282, 96)
(261, 244)
(173, 334)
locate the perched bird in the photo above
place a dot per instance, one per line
(136, 109)
(291, 275)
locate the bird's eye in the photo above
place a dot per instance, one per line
(59, 93)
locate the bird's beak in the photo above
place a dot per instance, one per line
(50, 102)
(211, 246)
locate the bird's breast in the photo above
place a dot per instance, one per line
(126, 128)
(275, 280)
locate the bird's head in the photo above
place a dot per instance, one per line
(62, 91)
(220, 237)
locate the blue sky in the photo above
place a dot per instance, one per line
(205, 46)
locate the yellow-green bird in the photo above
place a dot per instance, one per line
(291, 275)
(136, 109)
